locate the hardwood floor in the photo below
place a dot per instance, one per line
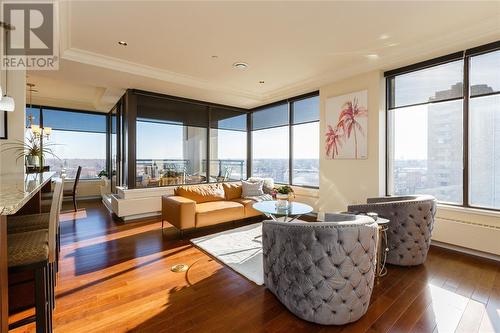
(116, 278)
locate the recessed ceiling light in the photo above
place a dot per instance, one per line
(215, 56)
(372, 56)
(240, 65)
(383, 36)
(122, 43)
(261, 81)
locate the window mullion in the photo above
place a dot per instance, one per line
(290, 144)
(465, 143)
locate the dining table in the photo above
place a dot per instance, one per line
(20, 194)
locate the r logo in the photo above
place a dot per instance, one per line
(33, 41)
(34, 27)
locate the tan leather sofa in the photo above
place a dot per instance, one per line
(198, 206)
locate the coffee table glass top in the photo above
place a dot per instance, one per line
(294, 208)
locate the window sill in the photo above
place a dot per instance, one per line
(309, 187)
(83, 180)
(469, 210)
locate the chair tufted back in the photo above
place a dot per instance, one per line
(322, 272)
(410, 229)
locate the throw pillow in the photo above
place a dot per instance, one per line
(251, 189)
(268, 186)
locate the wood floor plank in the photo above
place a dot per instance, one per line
(491, 316)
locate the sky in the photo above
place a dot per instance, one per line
(157, 141)
(78, 144)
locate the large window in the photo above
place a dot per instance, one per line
(305, 143)
(285, 141)
(165, 140)
(427, 107)
(77, 139)
(188, 142)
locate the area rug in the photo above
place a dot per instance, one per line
(240, 249)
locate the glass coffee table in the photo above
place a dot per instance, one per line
(291, 213)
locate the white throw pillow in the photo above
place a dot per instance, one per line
(251, 189)
(268, 186)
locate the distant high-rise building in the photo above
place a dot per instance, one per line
(445, 149)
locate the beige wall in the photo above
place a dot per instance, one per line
(87, 188)
(15, 120)
(343, 182)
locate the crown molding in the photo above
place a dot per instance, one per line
(99, 60)
(64, 103)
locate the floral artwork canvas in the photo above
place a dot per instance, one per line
(346, 133)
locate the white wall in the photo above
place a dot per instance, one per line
(343, 182)
(15, 120)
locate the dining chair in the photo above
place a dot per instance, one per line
(72, 192)
(66, 193)
(36, 251)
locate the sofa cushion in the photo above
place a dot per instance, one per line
(232, 190)
(248, 204)
(209, 213)
(201, 193)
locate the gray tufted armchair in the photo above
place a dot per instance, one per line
(321, 271)
(410, 229)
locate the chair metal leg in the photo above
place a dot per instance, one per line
(41, 306)
(74, 203)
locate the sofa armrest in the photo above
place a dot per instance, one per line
(178, 211)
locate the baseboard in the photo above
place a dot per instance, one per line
(107, 204)
(137, 217)
(86, 198)
(476, 253)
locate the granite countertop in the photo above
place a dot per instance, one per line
(16, 189)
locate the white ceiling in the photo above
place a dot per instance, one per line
(295, 47)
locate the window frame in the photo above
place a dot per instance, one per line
(465, 57)
(290, 125)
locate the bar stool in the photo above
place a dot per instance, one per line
(35, 251)
(32, 222)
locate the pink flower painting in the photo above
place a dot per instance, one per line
(346, 126)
